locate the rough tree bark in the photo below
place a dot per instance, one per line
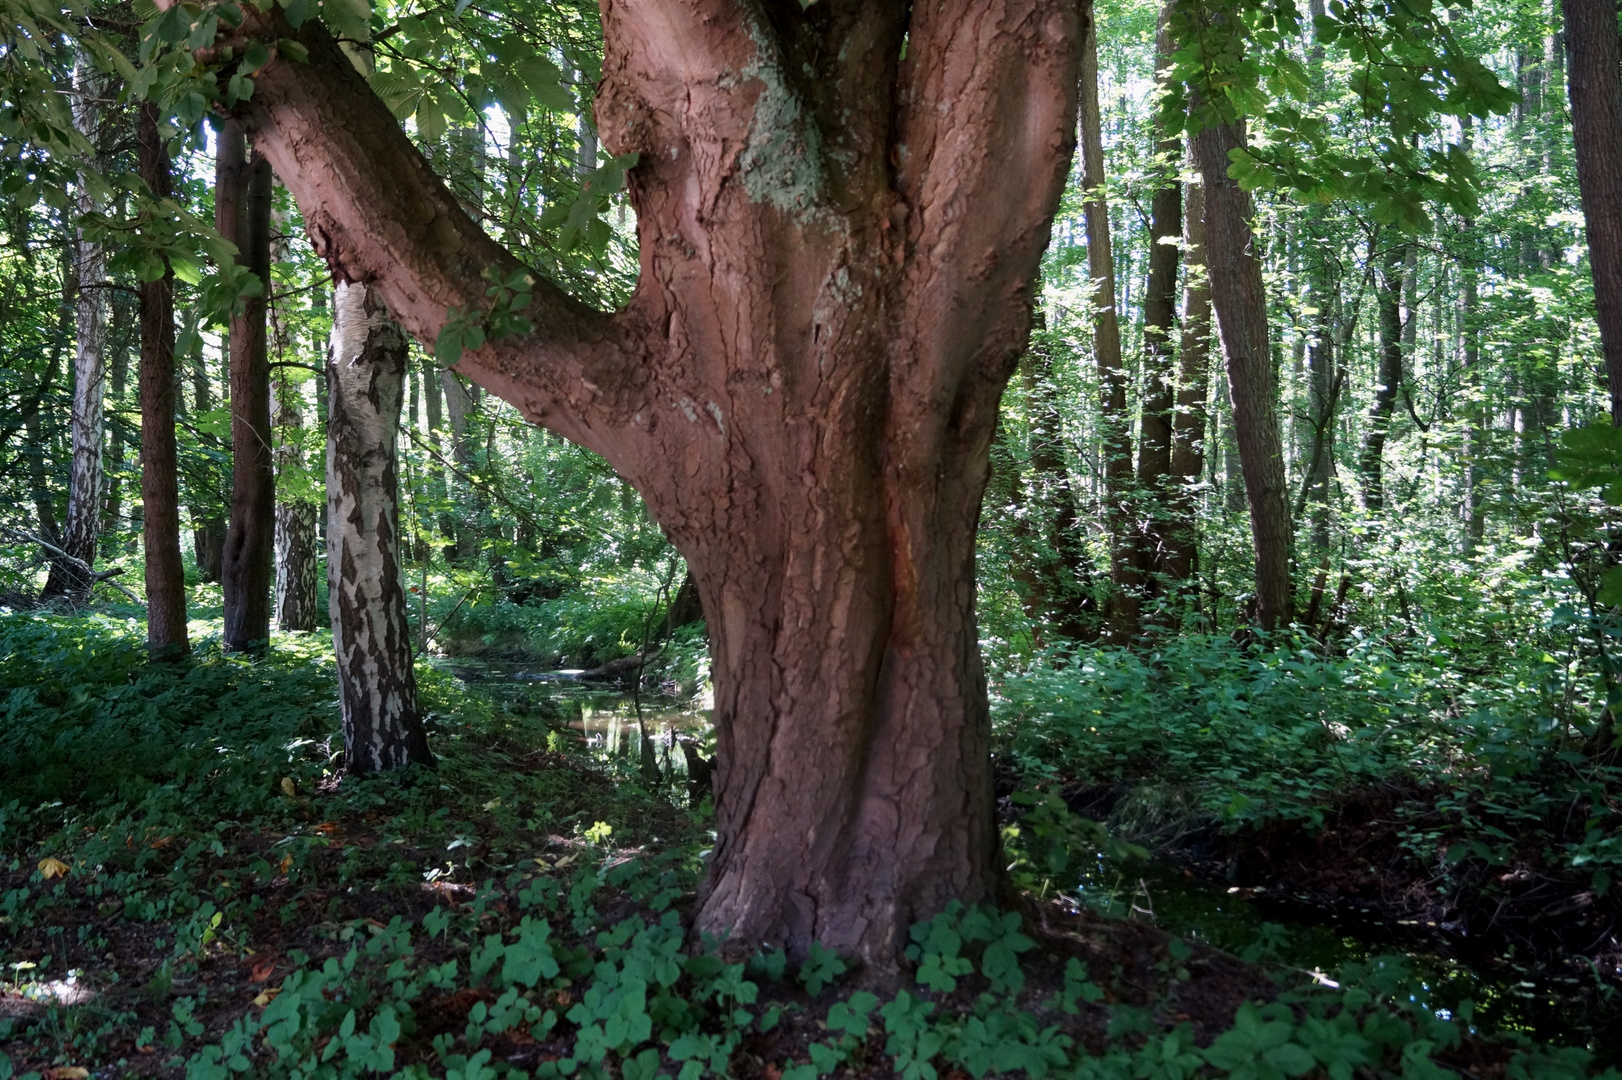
(839, 247)
(1126, 574)
(371, 633)
(242, 210)
(1594, 74)
(1193, 386)
(86, 476)
(1237, 294)
(160, 483)
(1159, 323)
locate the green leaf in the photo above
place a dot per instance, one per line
(348, 18)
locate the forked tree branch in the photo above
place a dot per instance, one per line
(378, 214)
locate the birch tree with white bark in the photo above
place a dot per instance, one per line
(371, 634)
(71, 577)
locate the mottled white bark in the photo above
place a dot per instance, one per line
(89, 366)
(366, 368)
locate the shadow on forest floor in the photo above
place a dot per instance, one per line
(187, 889)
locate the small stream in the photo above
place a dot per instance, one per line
(605, 714)
(1573, 1006)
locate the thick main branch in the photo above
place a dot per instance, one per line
(377, 213)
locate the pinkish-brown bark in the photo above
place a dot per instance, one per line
(838, 251)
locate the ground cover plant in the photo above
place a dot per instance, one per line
(216, 904)
(1376, 780)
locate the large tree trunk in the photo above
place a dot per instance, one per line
(242, 210)
(1126, 570)
(1240, 301)
(67, 578)
(160, 484)
(1193, 386)
(1159, 323)
(1595, 86)
(371, 633)
(839, 247)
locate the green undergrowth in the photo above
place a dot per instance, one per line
(594, 620)
(187, 890)
(1494, 762)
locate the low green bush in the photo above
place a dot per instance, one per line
(1210, 731)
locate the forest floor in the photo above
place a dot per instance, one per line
(186, 889)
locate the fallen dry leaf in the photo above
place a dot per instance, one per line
(263, 970)
(287, 787)
(267, 996)
(52, 867)
(286, 863)
(67, 1072)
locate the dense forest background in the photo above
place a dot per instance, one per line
(1425, 374)
(1425, 743)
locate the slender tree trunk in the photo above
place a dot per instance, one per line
(208, 527)
(1059, 557)
(295, 600)
(36, 444)
(37, 448)
(89, 371)
(1475, 516)
(1159, 323)
(113, 536)
(1240, 301)
(160, 484)
(1594, 72)
(1371, 462)
(242, 205)
(1116, 426)
(1193, 385)
(293, 603)
(461, 402)
(1323, 391)
(438, 486)
(371, 632)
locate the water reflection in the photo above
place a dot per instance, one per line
(1572, 1005)
(611, 721)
